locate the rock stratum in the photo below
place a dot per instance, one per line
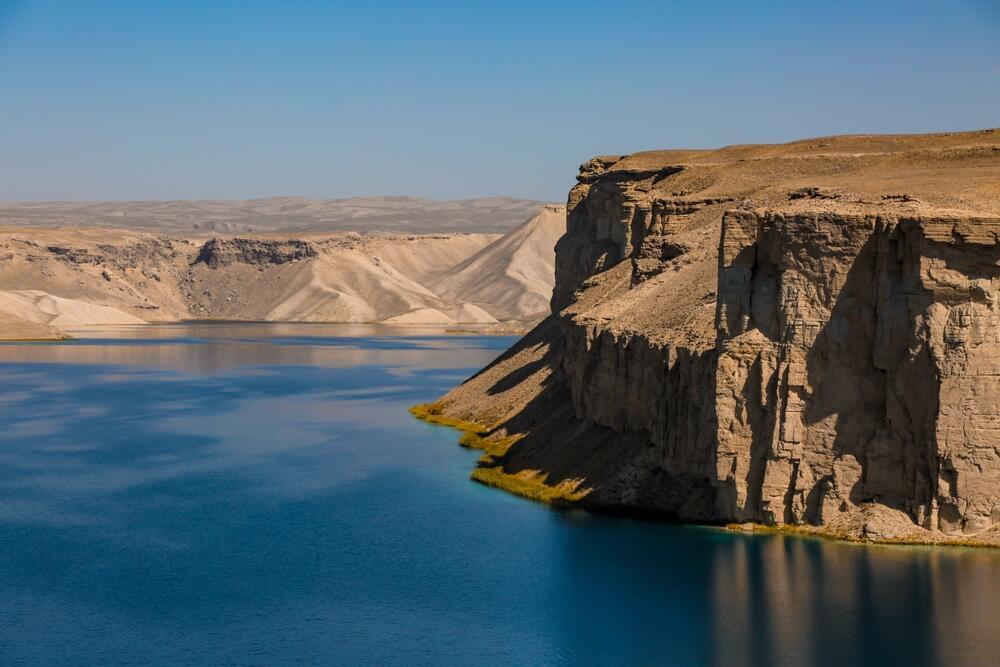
(803, 335)
(51, 279)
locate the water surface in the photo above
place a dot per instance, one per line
(258, 495)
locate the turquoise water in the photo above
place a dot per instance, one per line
(258, 495)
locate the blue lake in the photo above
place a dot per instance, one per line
(259, 495)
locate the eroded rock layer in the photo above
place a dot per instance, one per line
(802, 334)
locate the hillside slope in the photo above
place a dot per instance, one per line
(17, 328)
(511, 277)
(76, 277)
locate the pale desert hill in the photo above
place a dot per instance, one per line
(351, 279)
(492, 215)
(43, 308)
(511, 277)
(63, 278)
(13, 327)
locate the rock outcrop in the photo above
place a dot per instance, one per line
(859, 355)
(217, 253)
(805, 334)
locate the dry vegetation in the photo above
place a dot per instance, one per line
(531, 484)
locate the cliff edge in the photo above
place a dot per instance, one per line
(802, 335)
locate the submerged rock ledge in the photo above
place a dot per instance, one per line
(803, 336)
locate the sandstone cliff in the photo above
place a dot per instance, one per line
(803, 334)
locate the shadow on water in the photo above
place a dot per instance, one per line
(687, 595)
(235, 502)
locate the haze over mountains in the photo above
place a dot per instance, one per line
(492, 215)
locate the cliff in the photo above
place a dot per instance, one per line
(217, 253)
(801, 335)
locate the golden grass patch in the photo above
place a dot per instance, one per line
(531, 484)
(434, 414)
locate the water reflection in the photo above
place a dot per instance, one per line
(699, 596)
(75, 436)
(780, 600)
(244, 495)
(212, 348)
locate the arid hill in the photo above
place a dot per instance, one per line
(63, 278)
(805, 335)
(512, 277)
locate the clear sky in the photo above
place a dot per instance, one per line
(202, 99)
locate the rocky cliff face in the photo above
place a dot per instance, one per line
(858, 360)
(804, 334)
(217, 253)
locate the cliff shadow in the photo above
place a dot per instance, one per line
(865, 378)
(623, 471)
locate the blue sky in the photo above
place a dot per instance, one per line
(178, 100)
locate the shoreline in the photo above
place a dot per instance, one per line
(53, 339)
(447, 329)
(530, 485)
